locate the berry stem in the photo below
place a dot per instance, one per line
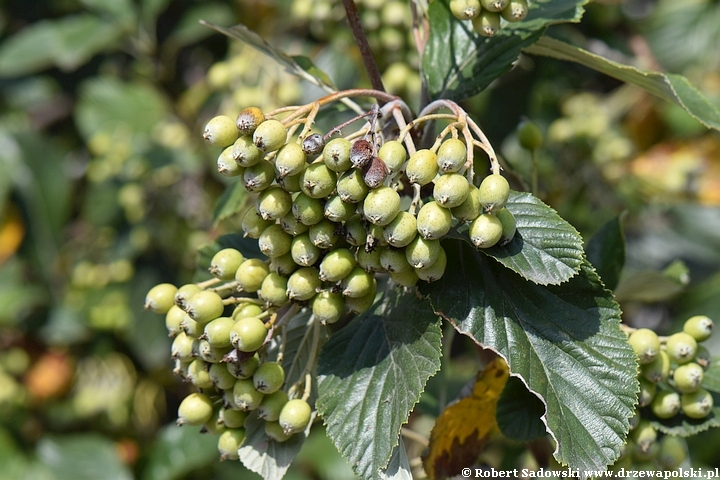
(208, 283)
(415, 437)
(225, 286)
(358, 31)
(628, 330)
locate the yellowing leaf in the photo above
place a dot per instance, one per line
(12, 232)
(461, 431)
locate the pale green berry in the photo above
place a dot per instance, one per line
(274, 242)
(184, 293)
(269, 377)
(666, 404)
(273, 290)
(452, 154)
(361, 304)
(699, 327)
(375, 237)
(328, 307)
(284, 264)
(205, 306)
(253, 224)
(295, 416)
(381, 205)
(421, 253)
(681, 347)
(336, 154)
(209, 353)
(422, 167)
(245, 153)
(515, 11)
(182, 347)
(273, 203)
(229, 442)
(249, 119)
(221, 131)
(270, 135)
(198, 374)
(393, 260)
(173, 317)
(290, 183)
(645, 343)
(647, 392)
(245, 396)
(407, 278)
(259, 177)
(274, 431)
(451, 190)
(272, 404)
(471, 208)
(303, 251)
(494, 192)
(370, 260)
(290, 160)
(195, 409)
(703, 356)
(487, 23)
(336, 210)
(435, 271)
(308, 210)
(485, 231)
(232, 418)
(658, 370)
(351, 187)
(318, 181)
(689, 377)
(644, 435)
(246, 310)
(529, 135)
(226, 164)
(244, 368)
(225, 263)
(220, 377)
(433, 221)
(673, 452)
(509, 226)
(697, 404)
(191, 327)
(291, 225)
(251, 274)
(401, 231)
(217, 332)
(303, 284)
(465, 9)
(248, 334)
(160, 298)
(355, 233)
(336, 265)
(494, 5)
(357, 283)
(324, 234)
(393, 154)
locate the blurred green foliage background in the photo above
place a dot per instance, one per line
(107, 189)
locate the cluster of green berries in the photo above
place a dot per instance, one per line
(487, 15)
(646, 449)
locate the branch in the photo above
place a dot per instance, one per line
(358, 31)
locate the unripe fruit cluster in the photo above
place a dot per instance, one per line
(488, 16)
(646, 449)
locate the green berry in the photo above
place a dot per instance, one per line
(303, 284)
(211, 354)
(160, 298)
(647, 392)
(408, 278)
(274, 431)
(361, 304)
(229, 442)
(681, 347)
(259, 177)
(494, 5)
(336, 265)
(324, 234)
(220, 377)
(357, 283)
(433, 221)
(494, 192)
(307, 210)
(191, 327)
(270, 135)
(644, 434)
(336, 155)
(393, 260)
(487, 23)
(673, 452)
(221, 131)
(336, 210)
(529, 135)
(451, 190)
(393, 154)
(689, 377)
(284, 264)
(515, 11)
(303, 251)
(232, 418)
(195, 409)
(509, 226)
(318, 181)
(245, 396)
(370, 260)
(245, 153)
(274, 242)
(274, 290)
(351, 187)
(452, 154)
(291, 225)
(251, 274)
(465, 9)
(401, 231)
(290, 160)
(697, 404)
(435, 271)
(205, 306)
(295, 416)
(471, 208)
(173, 317)
(253, 224)
(666, 404)
(249, 119)
(273, 203)
(248, 334)
(422, 167)
(183, 347)
(485, 231)
(355, 233)
(381, 206)
(217, 332)
(658, 370)
(646, 345)
(703, 356)
(198, 374)
(699, 327)
(290, 183)
(328, 307)
(226, 164)
(184, 293)
(246, 310)
(225, 263)
(272, 404)
(421, 253)
(244, 368)
(269, 377)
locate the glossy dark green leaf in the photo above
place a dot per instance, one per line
(371, 374)
(178, 451)
(564, 341)
(82, 457)
(230, 202)
(458, 63)
(606, 251)
(519, 412)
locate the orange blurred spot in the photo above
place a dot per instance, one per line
(50, 376)
(12, 232)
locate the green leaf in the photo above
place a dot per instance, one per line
(190, 30)
(67, 43)
(266, 457)
(565, 343)
(122, 11)
(546, 249)
(370, 375)
(651, 286)
(711, 379)
(458, 63)
(151, 9)
(606, 251)
(177, 451)
(519, 412)
(668, 86)
(82, 457)
(683, 426)
(230, 202)
(17, 296)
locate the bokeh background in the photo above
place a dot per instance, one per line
(106, 188)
